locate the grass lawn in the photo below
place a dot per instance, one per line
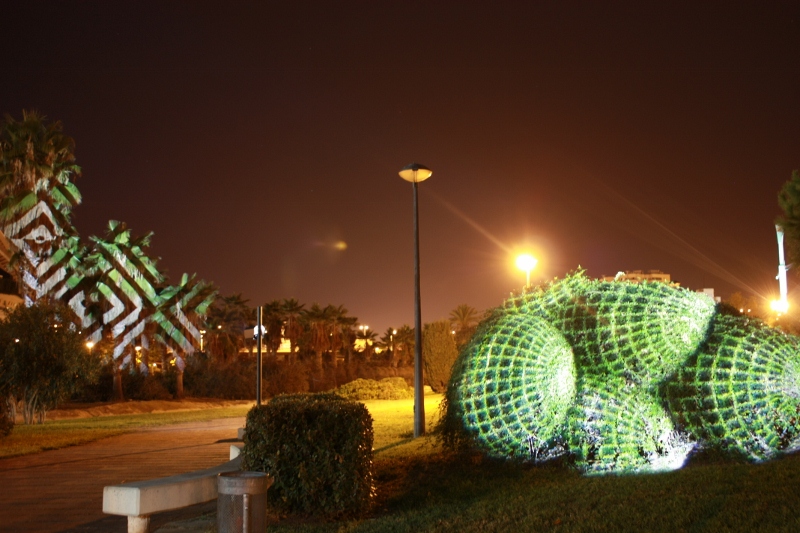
(421, 488)
(56, 434)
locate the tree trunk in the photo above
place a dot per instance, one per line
(118, 395)
(179, 384)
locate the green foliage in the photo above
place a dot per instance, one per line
(368, 389)
(740, 393)
(211, 378)
(138, 386)
(622, 376)
(439, 352)
(318, 449)
(284, 378)
(44, 359)
(6, 420)
(789, 202)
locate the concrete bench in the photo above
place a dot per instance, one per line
(140, 499)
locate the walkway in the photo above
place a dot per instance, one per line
(62, 490)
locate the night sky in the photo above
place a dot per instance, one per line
(254, 137)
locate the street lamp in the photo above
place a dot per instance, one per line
(416, 173)
(526, 263)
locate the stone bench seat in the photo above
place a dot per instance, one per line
(139, 499)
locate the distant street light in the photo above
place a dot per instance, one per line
(526, 263)
(416, 173)
(202, 334)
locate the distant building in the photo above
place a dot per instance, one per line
(638, 276)
(710, 294)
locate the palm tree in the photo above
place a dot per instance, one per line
(404, 342)
(272, 317)
(347, 330)
(317, 319)
(36, 157)
(125, 289)
(227, 319)
(463, 319)
(37, 166)
(179, 318)
(292, 326)
(340, 325)
(368, 337)
(387, 343)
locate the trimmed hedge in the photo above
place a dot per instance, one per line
(317, 448)
(369, 389)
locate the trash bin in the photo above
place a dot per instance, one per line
(242, 502)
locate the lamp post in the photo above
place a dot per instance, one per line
(416, 173)
(781, 306)
(526, 263)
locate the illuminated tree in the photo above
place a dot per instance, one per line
(37, 166)
(178, 319)
(125, 290)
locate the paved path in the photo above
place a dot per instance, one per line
(62, 490)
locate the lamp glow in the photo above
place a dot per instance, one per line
(526, 263)
(780, 306)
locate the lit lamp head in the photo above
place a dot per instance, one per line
(780, 306)
(415, 173)
(526, 263)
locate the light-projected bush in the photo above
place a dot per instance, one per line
(624, 377)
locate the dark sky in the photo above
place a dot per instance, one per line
(253, 136)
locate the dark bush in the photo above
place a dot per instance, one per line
(135, 386)
(100, 390)
(317, 448)
(284, 378)
(231, 380)
(138, 386)
(369, 389)
(6, 422)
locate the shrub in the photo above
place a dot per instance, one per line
(138, 386)
(232, 380)
(43, 357)
(317, 448)
(6, 420)
(439, 352)
(284, 378)
(369, 389)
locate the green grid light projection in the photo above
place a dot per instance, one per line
(625, 377)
